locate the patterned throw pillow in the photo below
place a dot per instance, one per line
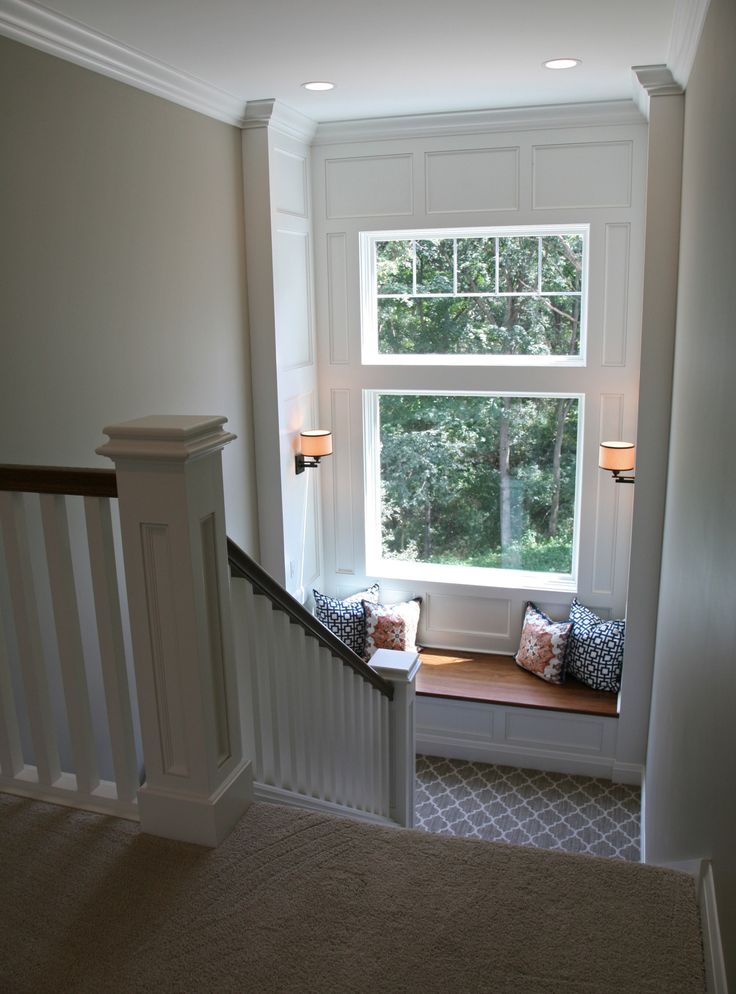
(391, 626)
(345, 618)
(543, 644)
(595, 652)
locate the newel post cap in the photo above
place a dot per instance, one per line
(396, 665)
(177, 438)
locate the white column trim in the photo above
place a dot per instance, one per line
(653, 81)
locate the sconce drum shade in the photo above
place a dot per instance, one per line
(617, 457)
(316, 443)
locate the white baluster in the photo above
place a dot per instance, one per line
(11, 754)
(385, 757)
(280, 663)
(69, 640)
(112, 649)
(315, 730)
(243, 633)
(25, 615)
(301, 714)
(401, 669)
(263, 633)
(169, 479)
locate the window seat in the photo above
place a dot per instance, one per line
(494, 679)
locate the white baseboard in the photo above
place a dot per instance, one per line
(483, 751)
(715, 964)
(277, 795)
(632, 773)
(702, 872)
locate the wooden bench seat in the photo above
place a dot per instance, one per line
(495, 679)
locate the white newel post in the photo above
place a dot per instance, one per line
(169, 477)
(400, 669)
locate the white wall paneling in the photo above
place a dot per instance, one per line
(608, 495)
(281, 301)
(616, 293)
(292, 293)
(337, 283)
(582, 174)
(289, 181)
(302, 527)
(462, 613)
(472, 180)
(369, 186)
(594, 175)
(526, 737)
(345, 530)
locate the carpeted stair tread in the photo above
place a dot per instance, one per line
(301, 902)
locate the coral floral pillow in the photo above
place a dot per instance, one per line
(391, 626)
(543, 644)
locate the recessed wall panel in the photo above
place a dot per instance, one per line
(607, 498)
(548, 730)
(293, 303)
(616, 294)
(582, 174)
(483, 179)
(289, 182)
(337, 297)
(369, 186)
(342, 497)
(468, 615)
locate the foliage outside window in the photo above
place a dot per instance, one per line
(478, 480)
(483, 479)
(491, 295)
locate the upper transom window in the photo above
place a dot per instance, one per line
(495, 295)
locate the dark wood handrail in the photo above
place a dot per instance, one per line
(58, 480)
(241, 565)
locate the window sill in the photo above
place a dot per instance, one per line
(474, 576)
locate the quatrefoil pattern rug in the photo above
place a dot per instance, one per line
(528, 807)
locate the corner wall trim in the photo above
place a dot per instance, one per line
(43, 29)
(715, 966)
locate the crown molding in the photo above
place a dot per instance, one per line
(600, 114)
(653, 81)
(687, 26)
(41, 28)
(278, 117)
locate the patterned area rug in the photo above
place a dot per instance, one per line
(528, 807)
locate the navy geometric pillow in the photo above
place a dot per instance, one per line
(346, 619)
(595, 649)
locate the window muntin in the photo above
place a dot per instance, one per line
(505, 295)
(477, 481)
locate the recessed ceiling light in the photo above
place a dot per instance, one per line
(318, 84)
(561, 63)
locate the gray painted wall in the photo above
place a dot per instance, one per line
(690, 796)
(122, 265)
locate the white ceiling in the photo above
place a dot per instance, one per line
(391, 57)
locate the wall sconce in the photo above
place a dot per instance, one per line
(617, 458)
(313, 444)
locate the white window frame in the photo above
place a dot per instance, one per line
(478, 576)
(368, 298)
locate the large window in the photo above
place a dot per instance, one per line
(497, 297)
(478, 479)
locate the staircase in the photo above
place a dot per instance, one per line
(149, 668)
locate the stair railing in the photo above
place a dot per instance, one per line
(323, 727)
(320, 727)
(31, 622)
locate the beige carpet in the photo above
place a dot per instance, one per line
(296, 902)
